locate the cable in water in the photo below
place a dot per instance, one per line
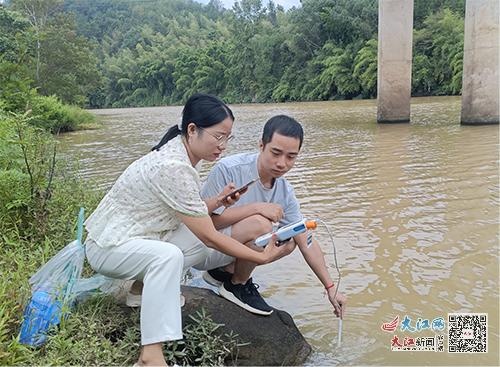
(339, 338)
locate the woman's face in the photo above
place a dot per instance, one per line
(209, 143)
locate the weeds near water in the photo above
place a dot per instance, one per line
(203, 344)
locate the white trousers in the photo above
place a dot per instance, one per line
(196, 253)
(159, 265)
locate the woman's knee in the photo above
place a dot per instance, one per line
(171, 255)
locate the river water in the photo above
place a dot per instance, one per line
(413, 210)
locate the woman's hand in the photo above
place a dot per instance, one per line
(203, 228)
(227, 200)
(273, 252)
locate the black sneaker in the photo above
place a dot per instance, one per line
(216, 276)
(245, 296)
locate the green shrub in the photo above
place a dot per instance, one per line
(52, 115)
(39, 192)
(48, 114)
(39, 200)
(203, 344)
(15, 199)
(79, 117)
(10, 155)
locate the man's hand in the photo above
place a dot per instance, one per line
(271, 211)
(338, 303)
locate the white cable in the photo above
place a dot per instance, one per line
(339, 339)
(334, 256)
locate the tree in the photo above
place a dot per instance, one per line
(423, 8)
(365, 67)
(68, 63)
(153, 52)
(15, 55)
(335, 77)
(437, 64)
(38, 13)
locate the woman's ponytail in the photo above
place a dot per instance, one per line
(171, 133)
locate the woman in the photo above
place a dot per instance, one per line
(136, 231)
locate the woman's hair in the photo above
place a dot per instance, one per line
(283, 125)
(203, 110)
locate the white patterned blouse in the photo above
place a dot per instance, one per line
(144, 200)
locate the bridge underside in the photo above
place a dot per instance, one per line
(480, 84)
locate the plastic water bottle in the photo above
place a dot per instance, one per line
(42, 312)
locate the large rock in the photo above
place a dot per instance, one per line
(274, 340)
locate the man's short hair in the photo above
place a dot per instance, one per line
(283, 125)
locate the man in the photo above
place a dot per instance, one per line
(271, 199)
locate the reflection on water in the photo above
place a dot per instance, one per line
(413, 208)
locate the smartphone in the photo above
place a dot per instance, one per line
(241, 189)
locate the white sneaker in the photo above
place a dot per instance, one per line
(134, 300)
(183, 300)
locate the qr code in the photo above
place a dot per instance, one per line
(468, 333)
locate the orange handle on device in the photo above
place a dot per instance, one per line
(311, 224)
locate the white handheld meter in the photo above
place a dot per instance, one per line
(285, 233)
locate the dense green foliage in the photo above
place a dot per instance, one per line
(139, 53)
(60, 68)
(62, 62)
(158, 52)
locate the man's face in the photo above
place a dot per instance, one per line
(278, 156)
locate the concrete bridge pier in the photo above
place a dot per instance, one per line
(395, 38)
(480, 80)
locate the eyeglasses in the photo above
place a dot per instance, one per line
(221, 139)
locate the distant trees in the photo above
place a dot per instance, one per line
(38, 14)
(55, 59)
(134, 53)
(15, 55)
(66, 68)
(365, 68)
(438, 54)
